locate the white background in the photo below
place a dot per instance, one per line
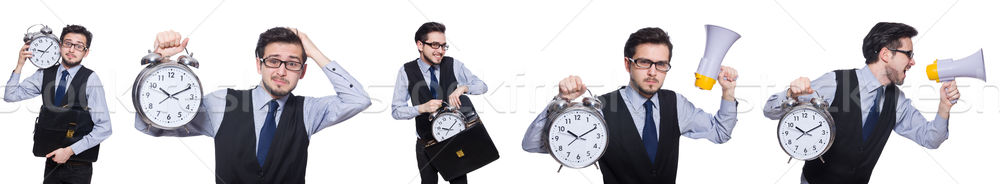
(521, 49)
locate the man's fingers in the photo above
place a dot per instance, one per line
(184, 43)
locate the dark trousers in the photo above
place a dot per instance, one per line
(428, 174)
(71, 172)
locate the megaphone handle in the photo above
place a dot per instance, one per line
(946, 89)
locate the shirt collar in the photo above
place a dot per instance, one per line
(424, 66)
(867, 80)
(637, 100)
(261, 98)
(72, 70)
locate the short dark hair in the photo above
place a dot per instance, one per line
(426, 28)
(653, 35)
(885, 34)
(76, 29)
(278, 34)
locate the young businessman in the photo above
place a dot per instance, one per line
(262, 135)
(644, 121)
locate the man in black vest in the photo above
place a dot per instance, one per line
(262, 135)
(867, 106)
(425, 82)
(645, 122)
(74, 119)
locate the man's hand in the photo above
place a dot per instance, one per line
(60, 155)
(429, 106)
(311, 50)
(949, 92)
(800, 87)
(727, 79)
(571, 87)
(23, 55)
(453, 98)
(169, 43)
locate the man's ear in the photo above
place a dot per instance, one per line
(884, 55)
(628, 65)
(420, 46)
(303, 73)
(258, 66)
(85, 53)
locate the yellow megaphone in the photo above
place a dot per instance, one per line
(719, 40)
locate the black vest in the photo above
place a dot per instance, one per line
(235, 144)
(420, 93)
(850, 159)
(625, 159)
(59, 127)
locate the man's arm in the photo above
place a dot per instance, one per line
(825, 86)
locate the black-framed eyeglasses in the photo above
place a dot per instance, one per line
(663, 66)
(289, 65)
(909, 53)
(79, 47)
(436, 45)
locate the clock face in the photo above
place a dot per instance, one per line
(577, 138)
(447, 125)
(805, 133)
(44, 51)
(169, 96)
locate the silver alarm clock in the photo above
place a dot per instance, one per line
(447, 122)
(806, 130)
(576, 134)
(44, 46)
(167, 95)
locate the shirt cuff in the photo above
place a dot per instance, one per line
(727, 106)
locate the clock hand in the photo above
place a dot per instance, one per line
(575, 137)
(164, 99)
(573, 134)
(803, 133)
(588, 131)
(47, 48)
(183, 90)
(814, 128)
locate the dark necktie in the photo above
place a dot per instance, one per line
(434, 84)
(61, 90)
(649, 132)
(873, 115)
(266, 133)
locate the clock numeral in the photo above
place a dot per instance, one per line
(814, 147)
(559, 149)
(557, 138)
(577, 117)
(562, 128)
(789, 142)
(595, 145)
(171, 74)
(153, 85)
